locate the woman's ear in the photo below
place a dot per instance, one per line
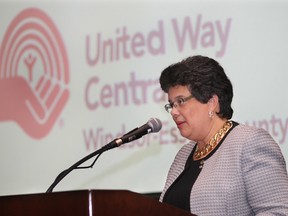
(213, 103)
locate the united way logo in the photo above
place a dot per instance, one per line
(34, 73)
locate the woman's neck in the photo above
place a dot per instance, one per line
(216, 124)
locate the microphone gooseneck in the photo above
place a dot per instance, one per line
(152, 126)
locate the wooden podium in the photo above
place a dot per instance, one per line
(86, 203)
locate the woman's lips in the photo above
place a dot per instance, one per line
(179, 123)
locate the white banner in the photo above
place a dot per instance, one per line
(75, 75)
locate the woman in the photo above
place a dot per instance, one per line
(227, 168)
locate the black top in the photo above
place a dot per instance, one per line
(178, 194)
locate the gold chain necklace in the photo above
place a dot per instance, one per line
(204, 151)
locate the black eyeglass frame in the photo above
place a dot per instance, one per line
(178, 102)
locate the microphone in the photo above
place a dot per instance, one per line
(152, 126)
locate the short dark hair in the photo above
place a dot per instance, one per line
(204, 78)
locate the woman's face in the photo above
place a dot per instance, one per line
(192, 117)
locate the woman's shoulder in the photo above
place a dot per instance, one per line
(251, 137)
(248, 132)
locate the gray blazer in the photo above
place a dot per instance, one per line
(246, 176)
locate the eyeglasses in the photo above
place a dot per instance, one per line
(178, 102)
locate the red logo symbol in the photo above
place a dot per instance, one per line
(34, 73)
